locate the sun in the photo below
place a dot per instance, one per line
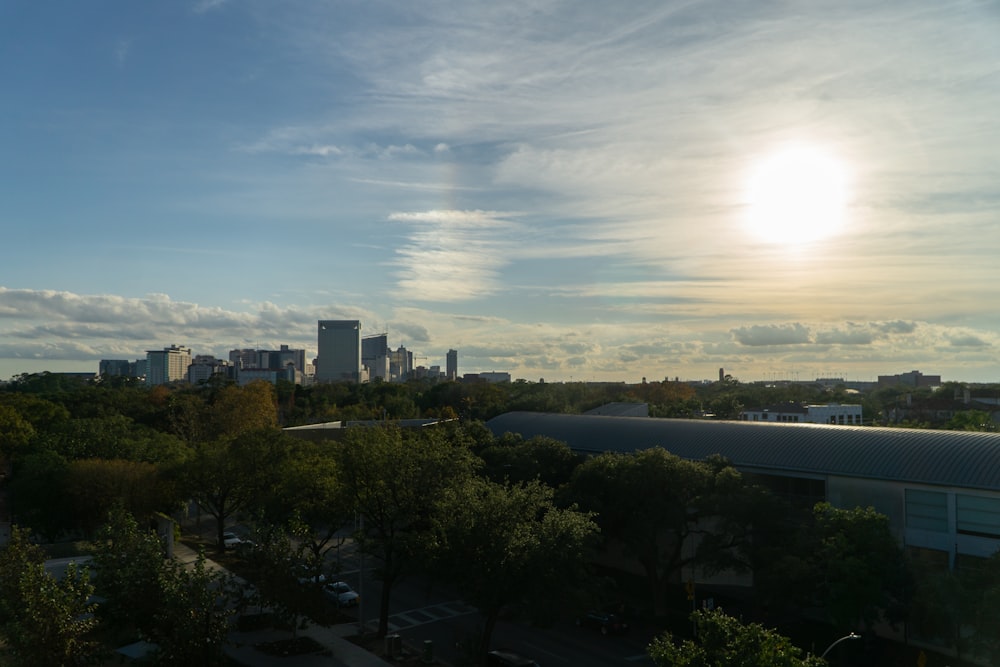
(797, 195)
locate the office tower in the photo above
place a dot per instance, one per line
(451, 365)
(167, 365)
(339, 345)
(244, 358)
(375, 355)
(281, 358)
(114, 367)
(204, 366)
(400, 364)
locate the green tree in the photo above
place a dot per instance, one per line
(500, 545)
(648, 503)
(541, 458)
(310, 499)
(228, 476)
(15, 434)
(38, 496)
(858, 566)
(194, 620)
(183, 610)
(94, 487)
(393, 481)
(43, 621)
(128, 560)
(725, 642)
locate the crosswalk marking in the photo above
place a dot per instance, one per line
(412, 618)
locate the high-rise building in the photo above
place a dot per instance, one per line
(451, 365)
(375, 355)
(167, 365)
(275, 360)
(400, 364)
(281, 358)
(244, 358)
(339, 346)
(115, 367)
(204, 366)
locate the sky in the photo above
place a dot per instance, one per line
(574, 191)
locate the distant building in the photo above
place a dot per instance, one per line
(451, 365)
(245, 376)
(339, 345)
(830, 413)
(273, 359)
(204, 366)
(375, 356)
(115, 367)
(167, 365)
(911, 379)
(400, 364)
(493, 376)
(281, 358)
(245, 358)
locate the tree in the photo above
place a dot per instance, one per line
(501, 545)
(393, 482)
(229, 476)
(38, 495)
(182, 610)
(858, 565)
(15, 434)
(128, 560)
(43, 621)
(647, 502)
(310, 500)
(541, 458)
(95, 486)
(239, 410)
(193, 622)
(725, 642)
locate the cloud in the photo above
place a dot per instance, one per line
(968, 341)
(122, 49)
(773, 334)
(47, 324)
(452, 255)
(203, 6)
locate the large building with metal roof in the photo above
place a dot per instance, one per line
(940, 489)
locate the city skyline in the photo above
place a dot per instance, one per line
(563, 191)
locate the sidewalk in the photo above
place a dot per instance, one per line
(241, 644)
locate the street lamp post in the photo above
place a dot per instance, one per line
(853, 635)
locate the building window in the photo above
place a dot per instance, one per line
(976, 515)
(927, 510)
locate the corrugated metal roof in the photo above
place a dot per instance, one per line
(949, 458)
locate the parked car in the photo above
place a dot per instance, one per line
(603, 621)
(232, 541)
(505, 658)
(341, 594)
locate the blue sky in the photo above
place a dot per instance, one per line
(562, 190)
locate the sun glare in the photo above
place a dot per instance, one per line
(796, 195)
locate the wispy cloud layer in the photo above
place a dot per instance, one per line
(553, 188)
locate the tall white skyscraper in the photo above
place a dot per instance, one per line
(339, 346)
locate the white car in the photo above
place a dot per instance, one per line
(341, 594)
(232, 540)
